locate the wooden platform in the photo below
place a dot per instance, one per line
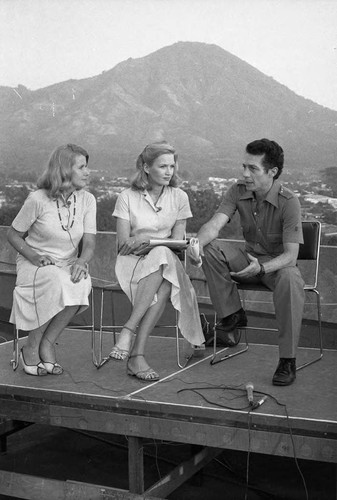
(109, 401)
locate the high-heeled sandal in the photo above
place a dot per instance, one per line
(38, 370)
(148, 375)
(121, 354)
(53, 368)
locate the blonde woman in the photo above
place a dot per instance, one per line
(154, 207)
(52, 278)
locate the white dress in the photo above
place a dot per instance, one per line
(157, 221)
(42, 292)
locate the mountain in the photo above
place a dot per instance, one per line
(202, 99)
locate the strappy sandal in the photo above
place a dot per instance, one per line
(53, 368)
(36, 370)
(148, 375)
(121, 354)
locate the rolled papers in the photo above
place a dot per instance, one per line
(194, 252)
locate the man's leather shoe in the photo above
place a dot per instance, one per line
(285, 372)
(233, 321)
(227, 339)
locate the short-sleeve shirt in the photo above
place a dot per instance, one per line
(267, 227)
(145, 217)
(43, 221)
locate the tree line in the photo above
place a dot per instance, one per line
(203, 204)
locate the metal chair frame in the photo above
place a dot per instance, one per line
(112, 287)
(97, 334)
(15, 361)
(310, 251)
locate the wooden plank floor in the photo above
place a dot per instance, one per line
(179, 413)
(191, 405)
(311, 400)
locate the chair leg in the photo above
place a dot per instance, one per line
(97, 344)
(319, 318)
(113, 317)
(187, 357)
(214, 359)
(93, 331)
(15, 361)
(97, 358)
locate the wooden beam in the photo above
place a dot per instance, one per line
(8, 427)
(320, 448)
(136, 464)
(32, 487)
(183, 472)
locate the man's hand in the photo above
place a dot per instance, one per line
(248, 272)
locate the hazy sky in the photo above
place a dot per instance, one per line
(48, 41)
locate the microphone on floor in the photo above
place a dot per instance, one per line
(250, 394)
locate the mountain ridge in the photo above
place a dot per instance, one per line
(198, 96)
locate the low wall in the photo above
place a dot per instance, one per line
(103, 264)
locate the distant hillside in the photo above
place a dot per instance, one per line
(204, 100)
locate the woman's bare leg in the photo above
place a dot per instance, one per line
(146, 290)
(31, 348)
(148, 322)
(52, 332)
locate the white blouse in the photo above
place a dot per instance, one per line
(145, 217)
(40, 217)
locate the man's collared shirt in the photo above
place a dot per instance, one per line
(267, 226)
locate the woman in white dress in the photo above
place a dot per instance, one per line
(154, 207)
(53, 283)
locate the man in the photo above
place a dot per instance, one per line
(271, 221)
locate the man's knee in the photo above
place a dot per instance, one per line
(211, 249)
(289, 277)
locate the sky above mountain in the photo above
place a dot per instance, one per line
(49, 41)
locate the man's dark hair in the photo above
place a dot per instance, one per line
(273, 154)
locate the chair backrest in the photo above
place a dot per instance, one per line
(309, 250)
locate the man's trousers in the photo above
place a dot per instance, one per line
(287, 286)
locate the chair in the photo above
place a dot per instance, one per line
(97, 326)
(308, 251)
(96, 359)
(106, 288)
(15, 360)
(103, 287)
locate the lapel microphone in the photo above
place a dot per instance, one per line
(158, 209)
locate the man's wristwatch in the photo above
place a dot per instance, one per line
(262, 272)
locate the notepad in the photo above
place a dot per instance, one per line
(175, 245)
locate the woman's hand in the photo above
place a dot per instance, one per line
(17, 240)
(42, 260)
(79, 270)
(133, 244)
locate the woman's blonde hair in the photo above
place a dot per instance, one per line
(56, 179)
(147, 157)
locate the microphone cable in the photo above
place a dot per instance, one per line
(250, 408)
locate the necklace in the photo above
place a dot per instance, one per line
(67, 227)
